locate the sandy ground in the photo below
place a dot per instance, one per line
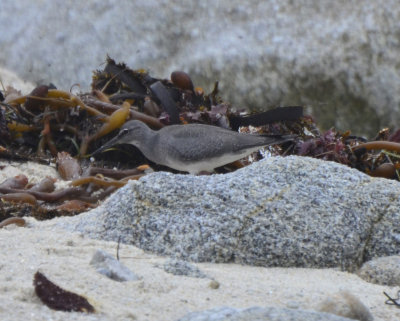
(64, 258)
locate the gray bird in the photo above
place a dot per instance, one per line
(191, 148)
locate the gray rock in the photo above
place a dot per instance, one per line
(382, 270)
(180, 267)
(288, 212)
(107, 265)
(9, 78)
(260, 314)
(338, 58)
(346, 305)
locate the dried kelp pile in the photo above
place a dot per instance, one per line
(54, 126)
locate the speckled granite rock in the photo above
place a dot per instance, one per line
(339, 59)
(180, 267)
(382, 270)
(260, 314)
(288, 212)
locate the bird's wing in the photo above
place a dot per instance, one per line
(197, 142)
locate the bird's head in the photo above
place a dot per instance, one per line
(132, 132)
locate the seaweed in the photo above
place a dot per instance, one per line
(12, 220)
(57, 298)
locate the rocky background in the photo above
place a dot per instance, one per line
(339, 59)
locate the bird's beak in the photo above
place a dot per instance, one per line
(112, 142)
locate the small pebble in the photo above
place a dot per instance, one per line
(107, 265)
(214, 285)
(346, 305)
(180, 267)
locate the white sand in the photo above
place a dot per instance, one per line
(64, 258)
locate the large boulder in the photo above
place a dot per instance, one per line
(340, 59)
(287, 212)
